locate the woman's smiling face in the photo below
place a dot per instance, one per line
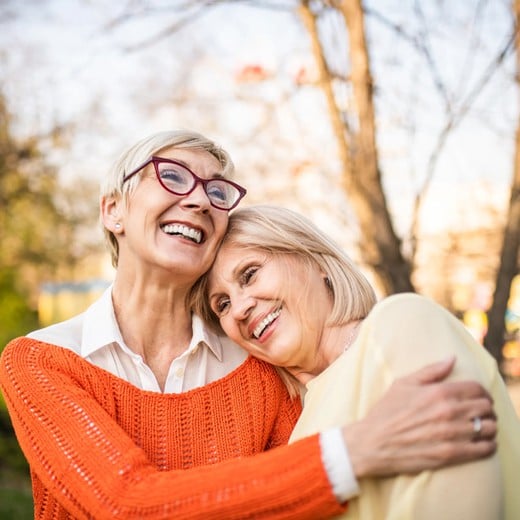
(178, 232)
(274, 306)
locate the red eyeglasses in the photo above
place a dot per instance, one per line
(180, 180)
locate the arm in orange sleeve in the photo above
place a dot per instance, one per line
(95, 470)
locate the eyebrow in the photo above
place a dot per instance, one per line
(217, 175)
(239, 267)
(234, 276)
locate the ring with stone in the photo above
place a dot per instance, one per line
(477, 427)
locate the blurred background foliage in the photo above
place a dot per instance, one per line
(37, 233)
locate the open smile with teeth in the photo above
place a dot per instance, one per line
(180, 229)
(260, 328)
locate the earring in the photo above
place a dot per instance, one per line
(118, 226)
(328, 283)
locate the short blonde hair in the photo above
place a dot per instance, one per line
(140, 152)
(280, 231)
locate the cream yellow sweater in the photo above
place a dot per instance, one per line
(401, 334)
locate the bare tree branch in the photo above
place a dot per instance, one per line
(198, 9)
(325, 83)
(454, 119)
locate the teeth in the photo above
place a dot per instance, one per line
(265, 322)
(185, 231)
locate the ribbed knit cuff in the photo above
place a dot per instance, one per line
(336, 460)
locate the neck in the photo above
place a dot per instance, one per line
(154, 322)
(335, 342)
(351, 332)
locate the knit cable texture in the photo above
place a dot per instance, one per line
(100, 448)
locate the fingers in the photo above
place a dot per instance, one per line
(483, 429)
(432, 373)
(454, 419)
(449, 454)
(464, 391)
(460, 431)
(433, 376)
(436, 428)
(398, 449)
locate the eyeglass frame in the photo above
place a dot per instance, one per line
(155, 159)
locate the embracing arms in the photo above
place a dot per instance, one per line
(93, 468)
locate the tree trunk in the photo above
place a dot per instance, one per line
(508, 266)
(380, 247)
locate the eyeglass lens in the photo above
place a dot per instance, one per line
(181, 181)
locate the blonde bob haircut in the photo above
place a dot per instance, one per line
(280, 231)
(113, 186)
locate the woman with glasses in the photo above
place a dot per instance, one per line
(135, 409)
(290, 296)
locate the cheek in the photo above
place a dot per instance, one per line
(220, 220)
(221, 223)
(228, 326)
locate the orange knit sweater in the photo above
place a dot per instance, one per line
(101, 448)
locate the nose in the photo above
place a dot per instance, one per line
(241, 306)
(198, 198)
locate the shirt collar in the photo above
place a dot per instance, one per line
(202, 334)
(100, 329)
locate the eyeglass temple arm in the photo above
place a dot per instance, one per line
(138, 169)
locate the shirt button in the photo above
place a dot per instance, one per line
(179, 372)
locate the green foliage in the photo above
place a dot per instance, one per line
(11, 457)
(15, 486)
(39, 231)
(29, 216)
(40, 219)
(16, 318)
(16, 504)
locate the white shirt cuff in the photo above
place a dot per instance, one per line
(336, 460)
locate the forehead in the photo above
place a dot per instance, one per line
(196, 159)
(232, 259)
(226, 265)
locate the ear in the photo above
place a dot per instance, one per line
(111, 216)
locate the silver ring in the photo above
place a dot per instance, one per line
(477, 427)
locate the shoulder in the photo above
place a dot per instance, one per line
(30, 363)
(401, 322)
(406, 305)
(93, 322)
(258, 371)
(32, 358)
(64, 334)
(26, 352)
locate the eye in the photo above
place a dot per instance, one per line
(247, 274)
(217, 191)
(173, 175)
(220, 306)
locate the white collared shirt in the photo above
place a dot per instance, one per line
(95, 336)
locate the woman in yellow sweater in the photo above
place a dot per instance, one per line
(290, 296)
(135, 410)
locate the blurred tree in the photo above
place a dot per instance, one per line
(509, 266)
(354, 128)
(39, 236)
(356, 139)
(38, 229)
